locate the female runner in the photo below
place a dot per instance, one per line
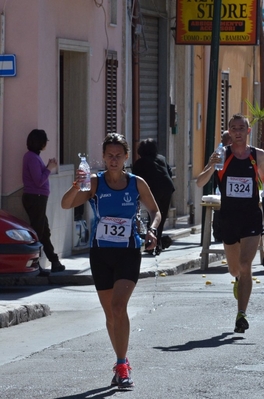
(115, 254)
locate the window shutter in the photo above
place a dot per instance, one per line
(224, 101)
(111, 92)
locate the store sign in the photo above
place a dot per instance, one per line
(239, 22)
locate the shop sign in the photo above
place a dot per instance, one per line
(239, 22)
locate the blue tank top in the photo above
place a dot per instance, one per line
(115, 211)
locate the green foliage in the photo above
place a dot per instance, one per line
(257, 116)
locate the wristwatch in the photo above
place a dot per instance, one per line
(153, 231)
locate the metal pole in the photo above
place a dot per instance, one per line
(2, 51)
(212, 95)
(261, 50)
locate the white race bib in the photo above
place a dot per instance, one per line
(113, 229)
(239, 187)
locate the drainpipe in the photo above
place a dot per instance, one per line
(2, 50)
(135, 84)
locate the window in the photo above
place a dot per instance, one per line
(113, 12)
(111, 92)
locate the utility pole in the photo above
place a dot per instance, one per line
(212, 88)
(261, 48)
(212, 95)
(2, 51)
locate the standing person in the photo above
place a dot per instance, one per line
(115, 255)
(153, 168)
(240, 214)
(226, 140)
(36, 193)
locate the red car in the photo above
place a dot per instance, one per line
(19, 247)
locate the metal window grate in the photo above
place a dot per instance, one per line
(224, 101)
(111, 92)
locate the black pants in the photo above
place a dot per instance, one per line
(163, 204)
(35, 206)
(216, 226)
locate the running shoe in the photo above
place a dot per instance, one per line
(235, 288)
(114, 381)
(122, 376)
(241, 323)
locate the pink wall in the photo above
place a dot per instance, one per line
(30, 101)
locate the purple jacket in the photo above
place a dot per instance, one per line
(35, 175)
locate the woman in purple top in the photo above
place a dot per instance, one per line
(36, 193)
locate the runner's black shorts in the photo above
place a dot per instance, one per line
(111, 264)
(235, 226)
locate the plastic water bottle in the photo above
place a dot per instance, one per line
(217, 191)
(84, 166)
(221, 151)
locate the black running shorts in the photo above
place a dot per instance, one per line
(240, 225)
(111, 264)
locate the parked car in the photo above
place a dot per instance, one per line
(20, 248)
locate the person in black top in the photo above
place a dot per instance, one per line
(240, 214)
(154, 169)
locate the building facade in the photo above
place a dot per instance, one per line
(69, 82)
(78, 78)
(88, 67)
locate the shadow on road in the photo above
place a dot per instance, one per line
(18, 293)
(99, 393)
(213, 342)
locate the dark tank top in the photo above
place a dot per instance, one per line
(238, 183)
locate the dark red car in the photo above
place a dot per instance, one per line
(19, 247)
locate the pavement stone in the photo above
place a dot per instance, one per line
(182, 255)
(15, 313)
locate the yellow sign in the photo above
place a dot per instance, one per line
(194, 20)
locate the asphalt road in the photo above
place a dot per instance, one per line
(182, 342)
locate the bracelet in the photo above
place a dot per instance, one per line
(75, 185)
(153, 230)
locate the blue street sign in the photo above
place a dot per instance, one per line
(7, 65)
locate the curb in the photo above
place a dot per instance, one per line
(79, 278)
(190, 265)
(13, 314)
(82, 279)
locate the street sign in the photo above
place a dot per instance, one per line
(7, 65)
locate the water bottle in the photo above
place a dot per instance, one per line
(221, 151)
(86, 184)
(217, 191)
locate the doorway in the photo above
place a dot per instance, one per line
(73, 114)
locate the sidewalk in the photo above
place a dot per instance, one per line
(183, 254)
